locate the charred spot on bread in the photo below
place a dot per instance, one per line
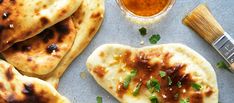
(91, 31)
(13, 1)
(30, 96)
(29, 59)
(196, 98)
(51, 48)
(26, 48)
(5, 15)
(28, 89)
(9, 74)
(1, 1)
(46, 35)
(2, 87)
(1, 28)
(63, 29)
(96, 15)
(44, 21)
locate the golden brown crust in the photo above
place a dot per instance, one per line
(22, 89)
(87, 20)
(23, 19)
(41, 54)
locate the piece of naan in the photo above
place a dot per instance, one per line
(168, 73)
(15, 88)
(87, 19)
(23, 19)
(41, 54)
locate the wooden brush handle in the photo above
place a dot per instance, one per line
(232, 66)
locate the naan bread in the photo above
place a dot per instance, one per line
(23, 19)
(87, 19)
(15, 88)
(41, 54)
(172, 73)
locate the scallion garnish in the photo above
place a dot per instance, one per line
(222, 65)
(154, 39)
(179, 84)
(137, 89)
(99, 99)
(184, 100)
(196, 86)
(127, 79)
(143, 31)
(162, 74)
(169, 80)
(153, 99)
(153, 85)
(176, 95)
(133, 73)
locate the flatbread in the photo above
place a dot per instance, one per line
(15, 88)
(23, 19)
(172, 73)
(87, 19)
(41, 54)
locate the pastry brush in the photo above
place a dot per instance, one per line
(203, 22)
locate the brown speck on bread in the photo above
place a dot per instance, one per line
(96, 15)
(9, 74)
(91, 31)
(2, 88)
(44, 21)
(99, 71)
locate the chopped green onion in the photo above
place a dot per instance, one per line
(184, 100)
(99, 99)
(154, 39)
(153, 99)
(196, 86)
(157, 87)
(148, 84)
(143, 31)
(133, 73)
(176, 95)
(169, 80)
(179, 84)
(137, 89)
(153, 84)
(162, 73)
(222, 65)
(127, 79)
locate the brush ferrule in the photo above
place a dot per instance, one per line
(225, 46)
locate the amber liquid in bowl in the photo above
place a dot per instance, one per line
(145, 11)
(145, 7)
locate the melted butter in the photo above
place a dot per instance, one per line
(145, 7)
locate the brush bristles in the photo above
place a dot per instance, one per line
(204, 23)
